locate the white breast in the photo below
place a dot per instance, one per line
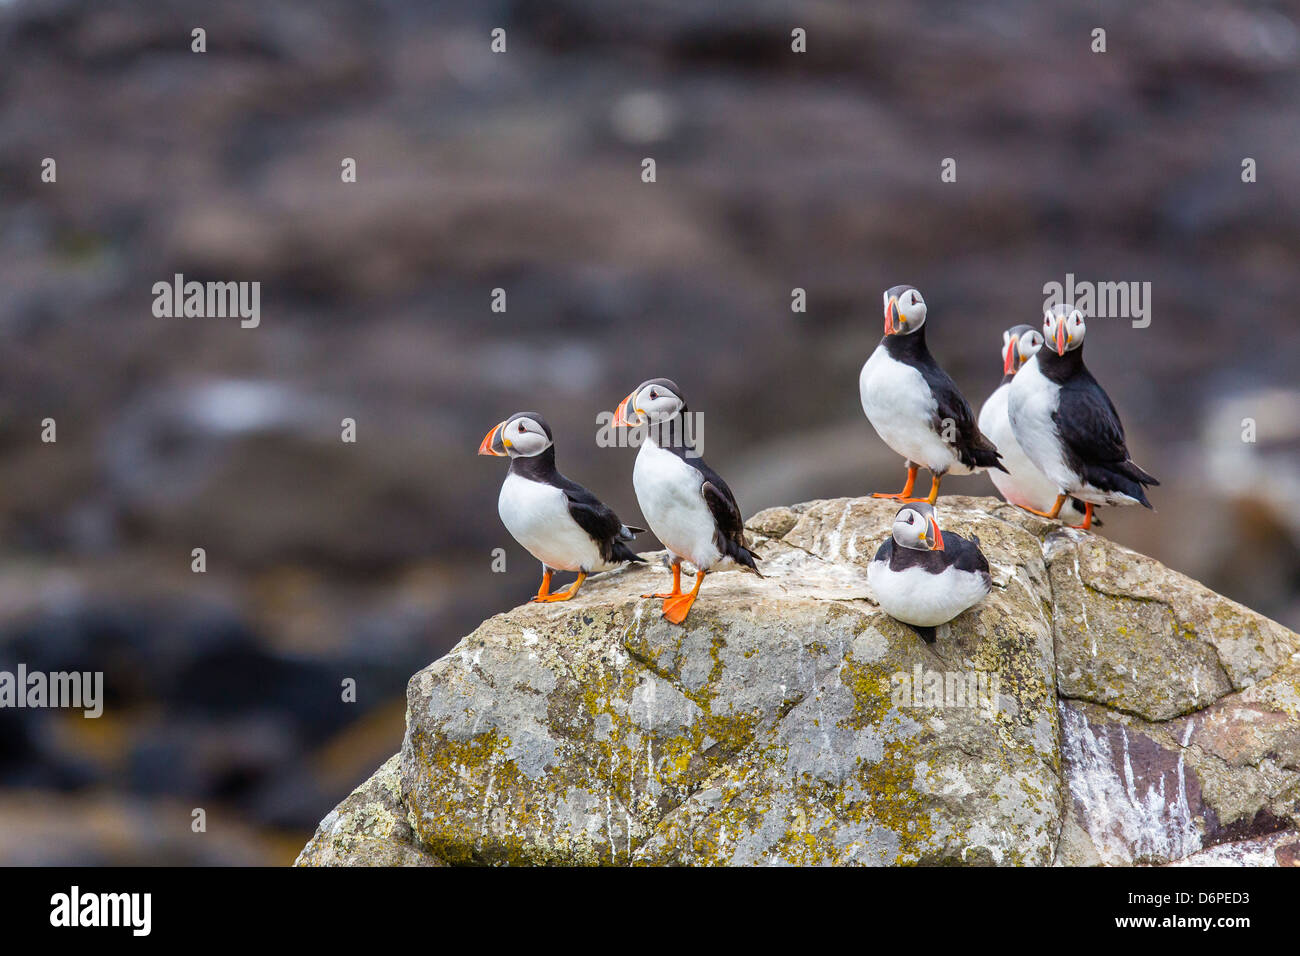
(537, 516)
(1032, 399)
(668, 491)
(898, 403)
(1023, 484)
(915, 596)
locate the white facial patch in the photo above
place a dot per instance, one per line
(658, 403)
(525, 437)
(911, 308)
(1030, 343)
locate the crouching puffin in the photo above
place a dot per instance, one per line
(688, 506)
(1021, 483)
(913, 404)
(1068, 426)
(924, 577)
(559, 522)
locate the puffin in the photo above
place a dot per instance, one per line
(688, 506)
(914, 405)
(924, 577)
(1021, 483)
(1068, 426)
(559, 522)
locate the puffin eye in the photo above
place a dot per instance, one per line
(521, 428)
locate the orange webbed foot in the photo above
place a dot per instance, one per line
(677, 585)
(565, 595)
(677, 607)
(906, 494)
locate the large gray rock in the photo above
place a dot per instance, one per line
(1097, 707)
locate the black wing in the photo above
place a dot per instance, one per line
(725, 511)
(1088, 424)
(964, 554)
(1093, 438)
(972, 445)
(594, 517)
(726, 515)
(958, 552)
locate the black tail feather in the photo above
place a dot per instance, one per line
(927, 633)
(1127, 479)
(621, 552)
(1139, 474)
(985, 455)
(742, 556)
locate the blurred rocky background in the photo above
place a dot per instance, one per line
(775, 170)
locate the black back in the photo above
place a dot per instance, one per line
(958, 552)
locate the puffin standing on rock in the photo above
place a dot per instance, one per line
(1021, 483)
(923, 577)
(914, 405)
(1068, 426)
(559, 522)
(686, 503)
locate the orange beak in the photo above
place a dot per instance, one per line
(1060, 338)
(1009, 360)
(625, 413)
(938, 535)
(493, 443)
(890, 306)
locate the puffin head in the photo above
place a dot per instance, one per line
(653, 401)
(1019, 344)
(904, 310)
(522, 435)
(915, 527)
(1063, 328)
